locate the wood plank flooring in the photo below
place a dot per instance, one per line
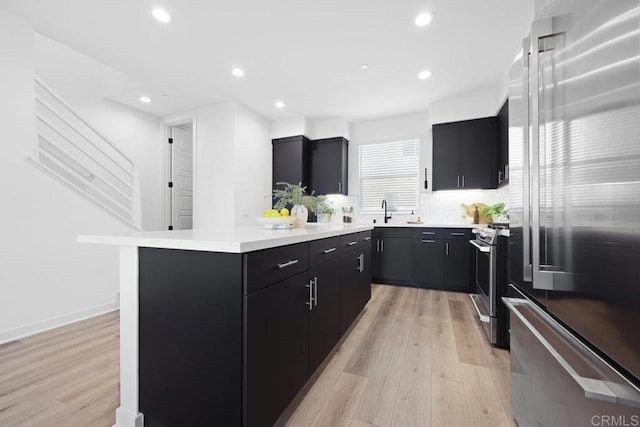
(414, 357)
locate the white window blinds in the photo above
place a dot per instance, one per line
(389, 171)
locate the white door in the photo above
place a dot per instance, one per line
(182, 177)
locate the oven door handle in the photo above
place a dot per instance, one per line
(481, 248)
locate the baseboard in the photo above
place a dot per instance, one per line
(56, 322)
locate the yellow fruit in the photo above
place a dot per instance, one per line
(266, 212)
(284, 212)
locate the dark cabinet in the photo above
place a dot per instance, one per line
(291, 160)
(324, 317)
(391, 258)
(464, 154)
(428, 261)
(277, 348)
(457, 265)
(329, 166)
(355, 284)
(502, 132)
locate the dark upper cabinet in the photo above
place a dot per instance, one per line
(502, 132)
(464, 154)
(292, 160)
(329, 165)
(277, 348)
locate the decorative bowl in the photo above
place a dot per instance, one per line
(276, 222)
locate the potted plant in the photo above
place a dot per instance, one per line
(292, 195)
(497, 212)
(322, 208)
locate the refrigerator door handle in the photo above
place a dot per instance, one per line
(526, 171)
(607, 391)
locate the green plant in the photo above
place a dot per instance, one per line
(320, 205)
(497, 209)
(291, 194)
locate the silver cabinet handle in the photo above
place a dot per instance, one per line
(366, 239)
(377, 245)
(288, 263)
(609, 391)
(462, 181)
(457, 234)
(361, 263)
(447, 248)
(428, 241)
(315, 290)
(382, 245)
(352, 243)
(500, 177)
(430, 233)
(328, 251)
(458, 181)
(310, 302)
(339, 187)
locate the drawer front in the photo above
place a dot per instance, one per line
(263, 268)
(429, 233)
(349, 242)
(324, 250)
(365, 237)
(398, 232)
(458, 234)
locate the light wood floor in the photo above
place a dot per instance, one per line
(415, 357)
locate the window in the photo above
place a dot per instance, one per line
(389, 171)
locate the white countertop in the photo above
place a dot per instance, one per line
(426, 225)
(235, 240)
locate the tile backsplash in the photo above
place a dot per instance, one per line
(436, 207)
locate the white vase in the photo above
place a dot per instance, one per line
(325, 218)
(302, 215)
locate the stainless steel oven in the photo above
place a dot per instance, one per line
(487, 266)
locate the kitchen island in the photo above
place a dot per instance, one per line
(225, 327)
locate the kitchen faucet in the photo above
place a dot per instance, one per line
(384, 206)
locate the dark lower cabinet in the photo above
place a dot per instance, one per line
(355, 284)
(277, 348)
(324, 318)
(457, 265)
(190, 337)
(395, 259)
(428, 261)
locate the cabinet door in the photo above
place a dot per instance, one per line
(376, 261)
(457, 265)
(446, 157)
(349, 276)
(477, 154)
(324, 319)
(396, 259)
(364, 278)
(329, 163)
(291, 159)
(277, 348)
(428, 261)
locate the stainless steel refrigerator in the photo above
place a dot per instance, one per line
(574, 161)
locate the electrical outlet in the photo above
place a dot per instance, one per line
(244, 212)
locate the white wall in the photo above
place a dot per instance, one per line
(252, 165)
(46, 278)
(214, 196)
(290, 126)
(329, 128)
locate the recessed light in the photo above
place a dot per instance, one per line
(161, 15)
(279, 104)
(364, 66)
(145, 99)
(423, 19)
(424, 74)
(238, 72)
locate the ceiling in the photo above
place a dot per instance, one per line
(305, 53)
